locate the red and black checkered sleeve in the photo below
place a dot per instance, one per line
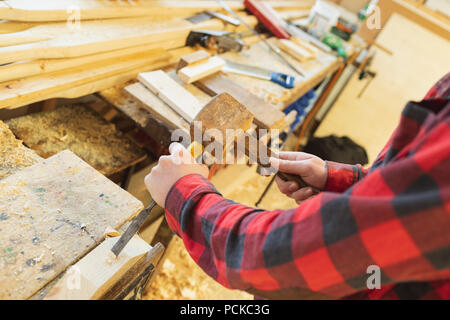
(342, 176)
(396, 218)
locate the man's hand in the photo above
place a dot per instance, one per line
(309, 167)
(169, 170)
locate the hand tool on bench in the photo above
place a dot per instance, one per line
(271, 47)
(222, 112)
(222, 41)
(281, 79)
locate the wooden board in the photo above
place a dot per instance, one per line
(294, 50)
(96, 273)
(195, 72)
(266, 116)
(21, 92)
(95, 37)
(172, 93)
(50, 10)
(158, 108)
(52, 214)
(193, 58)
(13, 154)
(26, 69)
(81, 130)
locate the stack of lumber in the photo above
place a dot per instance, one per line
(71, 48)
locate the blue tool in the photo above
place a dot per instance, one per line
(282, 79)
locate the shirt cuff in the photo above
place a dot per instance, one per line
(182, 198)
(341, 176)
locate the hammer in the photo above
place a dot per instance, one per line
(221, 113)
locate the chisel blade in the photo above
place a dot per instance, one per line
(137, 222)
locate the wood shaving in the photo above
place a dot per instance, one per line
(81, 130)
(13, 154)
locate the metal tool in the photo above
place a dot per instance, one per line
(132, 229)
(297, 32)
(272, 48)
(209, 14)
(221, 41)
(282, 79)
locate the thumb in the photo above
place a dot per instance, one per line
(180, 153)
(298, 167)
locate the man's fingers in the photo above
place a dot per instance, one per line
(289, 155)
(286, 187)
(302, 194)
(288, 166)
(180, 153)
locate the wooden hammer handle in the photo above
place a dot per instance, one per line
(296, 178)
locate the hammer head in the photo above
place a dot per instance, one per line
(222, 113)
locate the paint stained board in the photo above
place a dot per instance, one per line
(51, 214)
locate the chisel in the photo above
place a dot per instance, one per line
(282, 79)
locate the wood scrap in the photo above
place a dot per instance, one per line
(97, 36)
(172, 93)
(48, 10)
(294, 50)
(13, 154)
(158, 108)
(97, 272)
(195, 72)
(53, 213)
(305, 45)
(21, 92)
(25, 69)
(83, 131)
(266, 116)
(193, 58)
(30, 10)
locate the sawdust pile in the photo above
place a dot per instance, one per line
(81, 130)
(13, 154)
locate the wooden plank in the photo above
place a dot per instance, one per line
(172, 93)
(96, 36)
(35, 67)
(115, 80)
(306, 45)
(98, 271)
(53, 213)
(294, 50)
(266, 116)
(190, 59)
(195, 72)
(21, 92)
(48, 10)
(158, 108)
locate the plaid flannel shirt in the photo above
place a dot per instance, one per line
(395, 216)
